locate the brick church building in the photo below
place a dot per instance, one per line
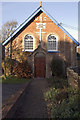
(44, 39)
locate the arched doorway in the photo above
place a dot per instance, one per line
(40, 65)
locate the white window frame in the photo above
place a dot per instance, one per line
(56, 43)
(29, 50)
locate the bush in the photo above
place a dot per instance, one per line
(51, 94)
(65, 103)
(23, 70)
(9, 63)
(57, 67)
(57, 82)
(56, 95)
(69, 108)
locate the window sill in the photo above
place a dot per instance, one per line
(28, 51)
(52, 51)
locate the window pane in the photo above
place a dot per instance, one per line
(52, 42)
(28, 42)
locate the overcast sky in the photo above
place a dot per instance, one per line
(65, 12)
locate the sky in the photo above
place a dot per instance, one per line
(64, 12)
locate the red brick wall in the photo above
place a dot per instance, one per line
(64, 42)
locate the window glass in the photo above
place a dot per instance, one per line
(52, 42)
(28, 42)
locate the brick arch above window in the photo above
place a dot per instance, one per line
(52, 42)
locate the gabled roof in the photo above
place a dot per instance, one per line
(31, 17)
(37, 49)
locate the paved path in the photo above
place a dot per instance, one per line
(10, 89)
(33, 104)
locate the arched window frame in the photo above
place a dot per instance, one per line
(53, 50)
(27, 49)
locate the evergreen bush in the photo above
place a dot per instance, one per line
(57, 67)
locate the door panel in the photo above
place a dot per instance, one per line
(40, 67)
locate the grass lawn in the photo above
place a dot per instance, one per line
(14, 80)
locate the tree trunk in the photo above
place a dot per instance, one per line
(4, 64)
(11, 56)
(0, 59)
(4, 69)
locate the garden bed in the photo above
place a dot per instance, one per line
(62, 101)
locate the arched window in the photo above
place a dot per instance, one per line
(52, 43)
(28, 43)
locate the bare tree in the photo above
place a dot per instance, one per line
(7, 29)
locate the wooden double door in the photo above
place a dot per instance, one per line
(40, 67)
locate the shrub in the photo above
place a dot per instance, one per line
(23, 70)
(51, 94)
(69, 108)
(57, 82)
(56, 95)
(57, 67)
(19, 55)
(9, 63)
(65, 103)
